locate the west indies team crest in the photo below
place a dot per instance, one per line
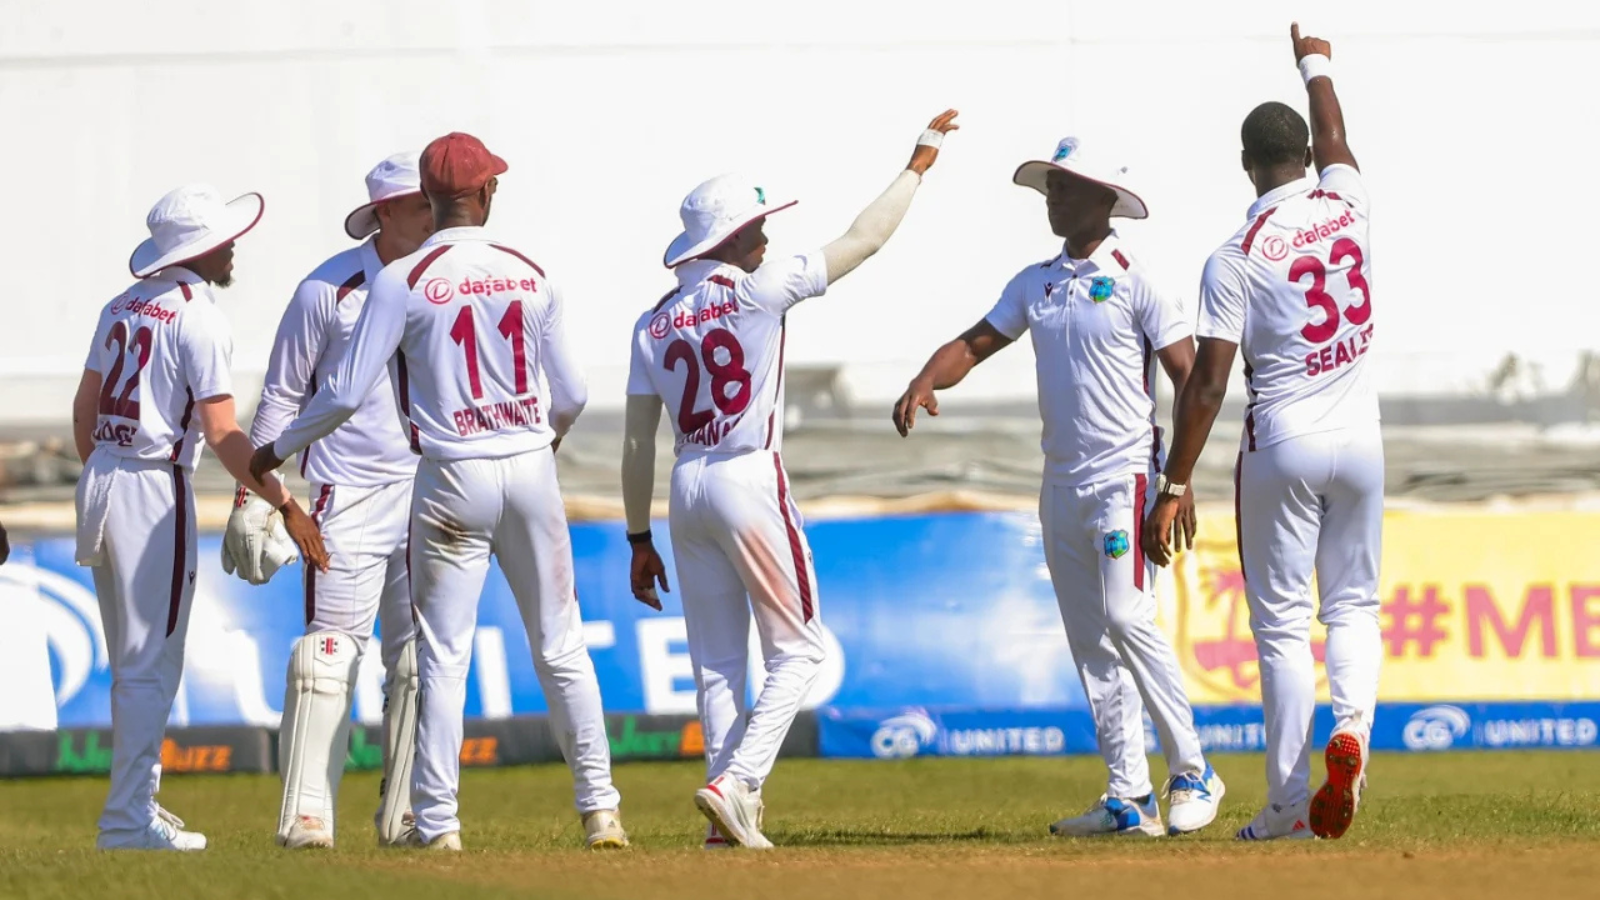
(1117, 544)
(1101, 288)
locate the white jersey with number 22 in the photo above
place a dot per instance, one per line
(1293, 289)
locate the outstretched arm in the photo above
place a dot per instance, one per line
(871, 230)
(948, 365)
(1315, 57)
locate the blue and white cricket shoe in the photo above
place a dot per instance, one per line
(1278, 823)
(1136, 817)
(1192, 800)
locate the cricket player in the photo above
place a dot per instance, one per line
(1292, 290)
(471, 329)
(1098, 326)
(156, 381)
(712, 352)
(360, 478)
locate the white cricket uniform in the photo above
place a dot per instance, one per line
(712, 349)
(161, 347)
(1096, 325)
(360, 475)
(1292, 289)
(467, 327)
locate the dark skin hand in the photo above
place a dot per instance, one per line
(5, 546)
(1198, 405)
(645, 573)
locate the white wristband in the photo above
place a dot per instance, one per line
(931, 138)
(1315, 66)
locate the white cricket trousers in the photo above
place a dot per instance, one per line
(739, 548)
(143, 516)
(1312, 504)
(365, 530)
(1106, 590)
(463, 511)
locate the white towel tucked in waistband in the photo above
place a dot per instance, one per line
(94, 504)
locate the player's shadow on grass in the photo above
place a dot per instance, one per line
(847, 838)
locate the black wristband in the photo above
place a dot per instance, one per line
(642, 537)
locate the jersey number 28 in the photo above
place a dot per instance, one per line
(723, 374)
(1317, 296)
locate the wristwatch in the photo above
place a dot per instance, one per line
(1165, 487)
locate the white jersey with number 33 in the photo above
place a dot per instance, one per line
(1293, 289)
(712, 350)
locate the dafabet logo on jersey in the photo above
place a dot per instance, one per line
(438, 291)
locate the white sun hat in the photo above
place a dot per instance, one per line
(1070, 158)
(714, 212)
(396, 176)
(190, 222)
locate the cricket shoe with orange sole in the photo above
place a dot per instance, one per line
(1334, 805)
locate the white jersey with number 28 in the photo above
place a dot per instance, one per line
(712, 350)
(1293, 288)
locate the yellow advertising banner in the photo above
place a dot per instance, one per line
(1475, 605)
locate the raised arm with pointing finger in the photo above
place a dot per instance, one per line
(865, 236)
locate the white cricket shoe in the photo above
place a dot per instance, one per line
(1139, 817)
(166, 815)
(735, 810)
(306, 832)
(158, 835)
(602, 830)
(1278, 823)
(1192, 800)
(1333, 807)
(449, 841)
(714, 839)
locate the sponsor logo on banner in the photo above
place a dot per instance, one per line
(916, 732)
(636, 739)
(904, 735)
(1436, 728)
(87, 753)
(85, 758)
(1503, 615)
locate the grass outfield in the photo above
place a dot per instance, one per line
(1455, 825)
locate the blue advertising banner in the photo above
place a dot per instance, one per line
(947, 610)
(919, 731)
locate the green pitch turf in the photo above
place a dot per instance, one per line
(1447, 826)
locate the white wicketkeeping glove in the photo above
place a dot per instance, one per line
(249, 513)
(256, 545)
(276, 548)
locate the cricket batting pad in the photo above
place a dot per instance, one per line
(399, 747)
(314, 738)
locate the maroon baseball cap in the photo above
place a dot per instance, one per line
(456, 165)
